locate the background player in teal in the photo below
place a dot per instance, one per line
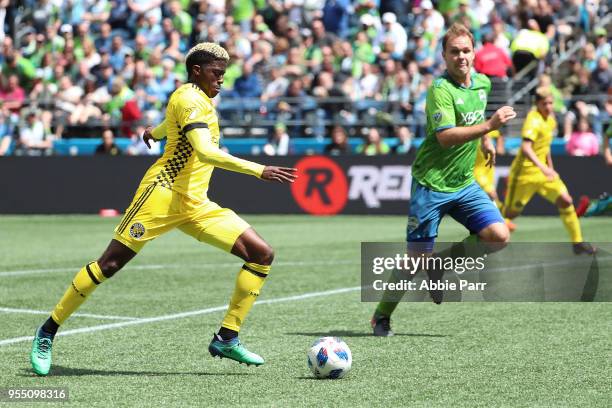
(443, 172)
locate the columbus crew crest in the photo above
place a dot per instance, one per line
(137, 230)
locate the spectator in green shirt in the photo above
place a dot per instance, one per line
(373, 144)
(468, 18)
(15, 64)
(181, 20)
(243, 11)
(120, 94)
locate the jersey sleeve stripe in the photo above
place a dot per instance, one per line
(195, 125)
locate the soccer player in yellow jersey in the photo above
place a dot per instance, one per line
(532, 171)
(484, 173)
(173, 194)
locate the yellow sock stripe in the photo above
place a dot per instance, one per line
(95, 270)
(81, 286)
(257, 269)
(91, 275)
(248, 284)
(130, 215)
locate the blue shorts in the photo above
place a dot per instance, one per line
(470, 206)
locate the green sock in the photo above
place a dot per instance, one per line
(385, 308)
(391, 299)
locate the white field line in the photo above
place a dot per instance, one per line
(182, 315)
(43, 312)
(162, 266)
(68, 268)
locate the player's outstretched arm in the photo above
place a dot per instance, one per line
(208, 152)
(154, 134)
(462, 134)
(527, 148)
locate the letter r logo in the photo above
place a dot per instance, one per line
(321, 187)
(318, 179)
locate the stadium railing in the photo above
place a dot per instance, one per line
(254, 146)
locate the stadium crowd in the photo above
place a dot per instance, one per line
(318, 68)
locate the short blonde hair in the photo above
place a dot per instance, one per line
(205, 53)
(454, 31)
(213, 49)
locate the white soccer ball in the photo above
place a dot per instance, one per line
(329, 357)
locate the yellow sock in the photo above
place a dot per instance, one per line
(250, 280)
(572, 225)
(83, 284)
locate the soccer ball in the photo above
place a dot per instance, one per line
(329, 357)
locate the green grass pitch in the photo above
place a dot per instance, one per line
(455, 354)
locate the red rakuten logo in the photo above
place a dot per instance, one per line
(321, 187)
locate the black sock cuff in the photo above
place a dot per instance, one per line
(50, 327)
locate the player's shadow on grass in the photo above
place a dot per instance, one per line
(352, 333)
(61, 371)
(308, 377)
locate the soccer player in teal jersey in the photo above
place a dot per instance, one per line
(443, 172)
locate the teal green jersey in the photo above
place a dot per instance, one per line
(448, 105)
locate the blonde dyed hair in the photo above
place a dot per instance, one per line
(203, 54)
(213, 49)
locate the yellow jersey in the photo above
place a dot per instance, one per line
(540, 131)
(182, 168)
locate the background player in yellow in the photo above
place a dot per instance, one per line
(173, 194)
(532, 171)
(484, 172)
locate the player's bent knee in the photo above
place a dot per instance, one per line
(496, 233)
(114, 258)
(501, 236)
(564, 201)
(264, 256)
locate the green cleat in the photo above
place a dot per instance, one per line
(233, 350)
(40, 357)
